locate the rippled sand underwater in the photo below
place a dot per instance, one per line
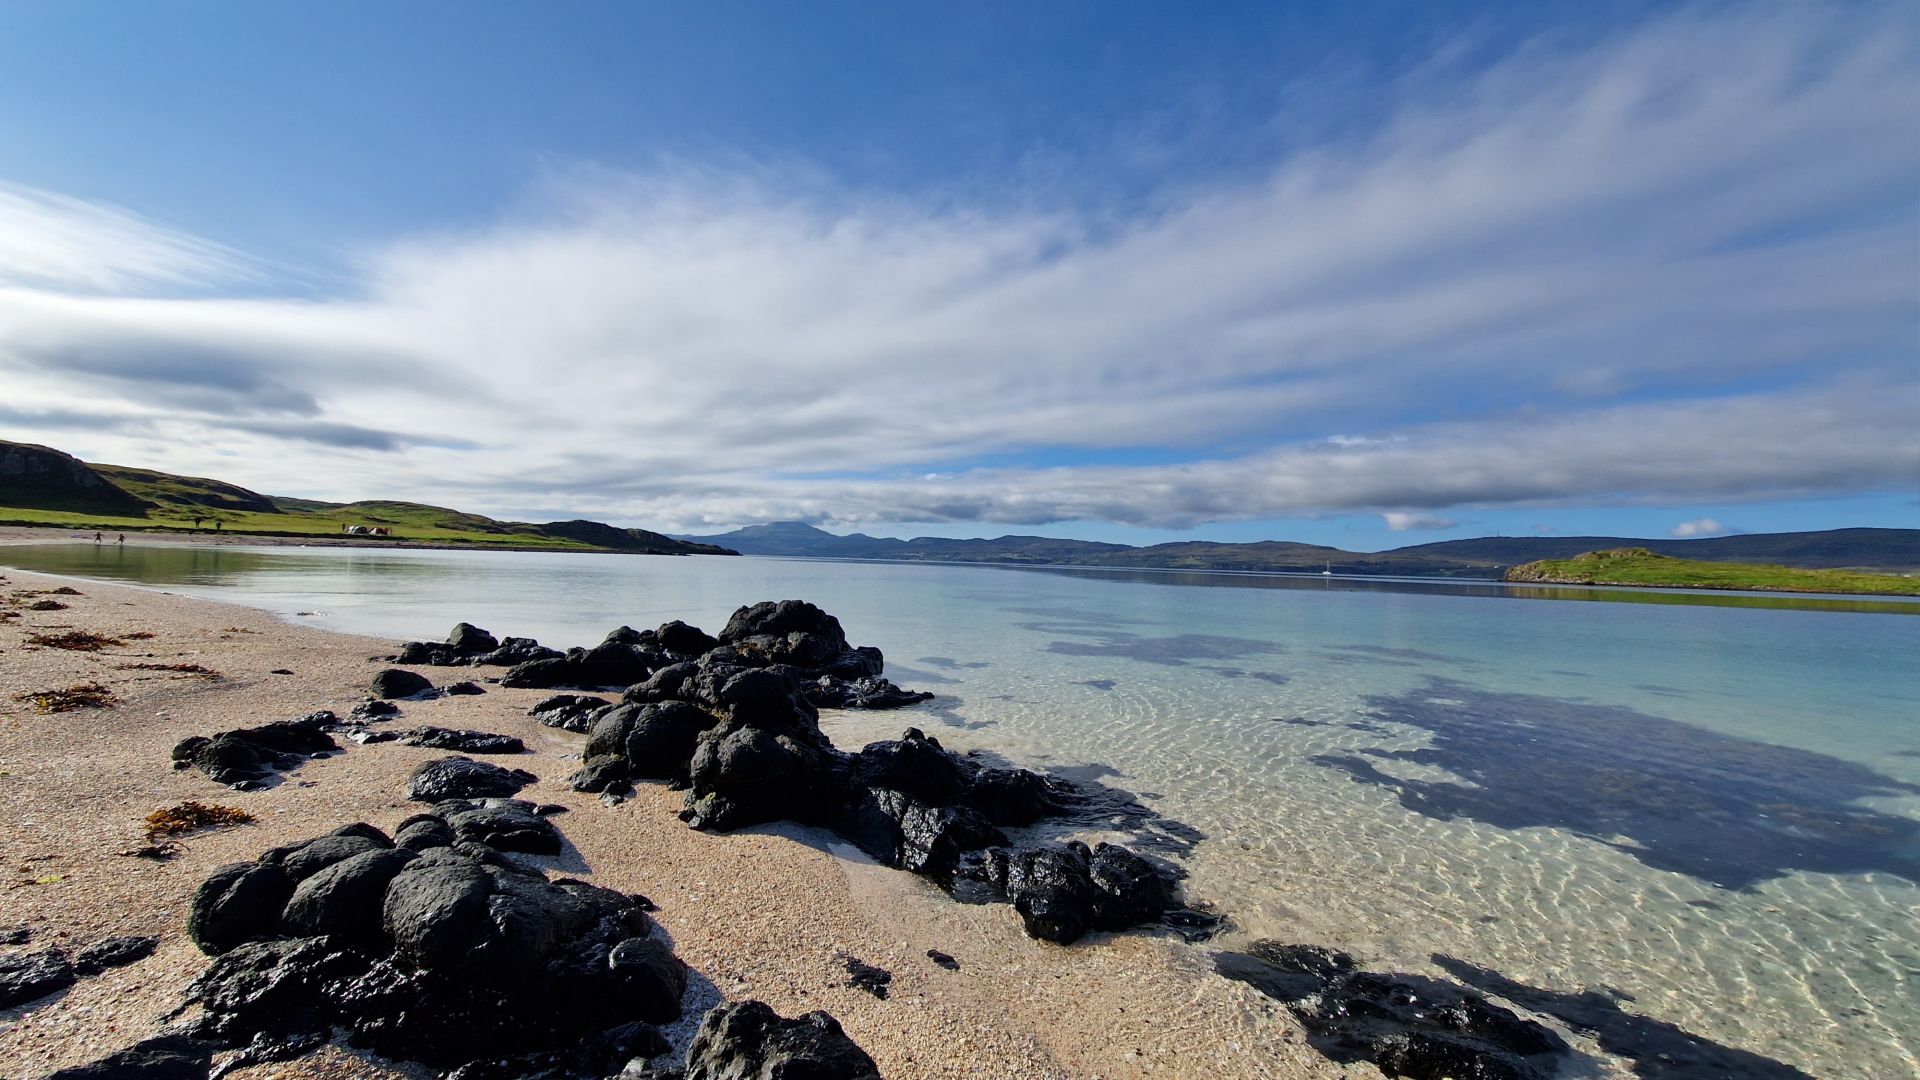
(1711, 810)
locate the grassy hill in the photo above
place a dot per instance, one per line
(43, 486)
(1640, 566)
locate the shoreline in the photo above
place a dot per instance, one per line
(767, 912)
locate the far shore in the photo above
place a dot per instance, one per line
(768, 913)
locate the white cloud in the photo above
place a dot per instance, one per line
(1538, 289)
(1400, 521)
(1705, 526)
(48, 239)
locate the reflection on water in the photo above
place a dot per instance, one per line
(1707, 801)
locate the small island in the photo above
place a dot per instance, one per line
(1639, 566)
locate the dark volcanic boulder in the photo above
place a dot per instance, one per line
(465, 742)
(163, 1057)
(114, 952)
(653, 741)
(399, 683)
(344, 899)
(778, 619)
(501, 824)
(303, 860)
(916, 765)
(423, 831)
(246, 758)
(464, 778)
(516, 650)
(466, 639)
(238, 903)
(680, 639)
(569, 712)
(747, 775)
(31, 976)
(1013, 796)
(1128, 890)
(670, 683)
(900, 831)
(1052, 891)
(746, 1040)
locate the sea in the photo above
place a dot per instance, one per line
(1705, 807)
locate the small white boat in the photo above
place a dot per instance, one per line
(1328, 572)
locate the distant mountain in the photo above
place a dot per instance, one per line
(41, 485)
(1883, 550)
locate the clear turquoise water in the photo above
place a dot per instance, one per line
(1712, 804)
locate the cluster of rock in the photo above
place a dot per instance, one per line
(1408, 1025)
(28, 977)
(797, 637)
(739, 729)
(247, 759)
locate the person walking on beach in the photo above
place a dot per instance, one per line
(122, 540)
(97, 538)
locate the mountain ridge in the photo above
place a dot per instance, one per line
(1881, 550)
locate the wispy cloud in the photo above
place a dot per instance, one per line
(1554, 283)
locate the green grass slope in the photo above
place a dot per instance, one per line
(1639, 566)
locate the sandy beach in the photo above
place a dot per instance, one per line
(768, 913)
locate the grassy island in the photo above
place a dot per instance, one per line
(1639, 566)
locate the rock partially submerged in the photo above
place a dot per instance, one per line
(249, 758)
(1408, 1025)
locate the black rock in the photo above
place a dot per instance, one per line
(1013, 796)
(399, 683)
(373, 710)
(303, 860)
(163, 1057)
(570, 712)
(467, 639)
(900, 831)
(464, 778)
(916, 765)
(248, 757)
(514, 651)
(238, 903)
(680, 639)
(746, 775)
(31, 976)
(465, 742)
(465, 689)
(655, 741)
(746, 1040)
(423, 831)
(1052, 891)
(344, 900)
(943, 960)
(778, 619)
(16, 935)
(504, 825)
(601, 772)
(114, 952)
(1128, 890)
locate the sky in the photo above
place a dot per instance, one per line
(1366, 275)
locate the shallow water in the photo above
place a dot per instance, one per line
(1711, 803)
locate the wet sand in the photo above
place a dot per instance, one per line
(765, 913)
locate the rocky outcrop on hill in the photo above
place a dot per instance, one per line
(40, 477)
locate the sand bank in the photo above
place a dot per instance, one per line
(767, 913)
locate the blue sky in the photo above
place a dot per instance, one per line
(1356, 274)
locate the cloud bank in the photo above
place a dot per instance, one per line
(1677, 266)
